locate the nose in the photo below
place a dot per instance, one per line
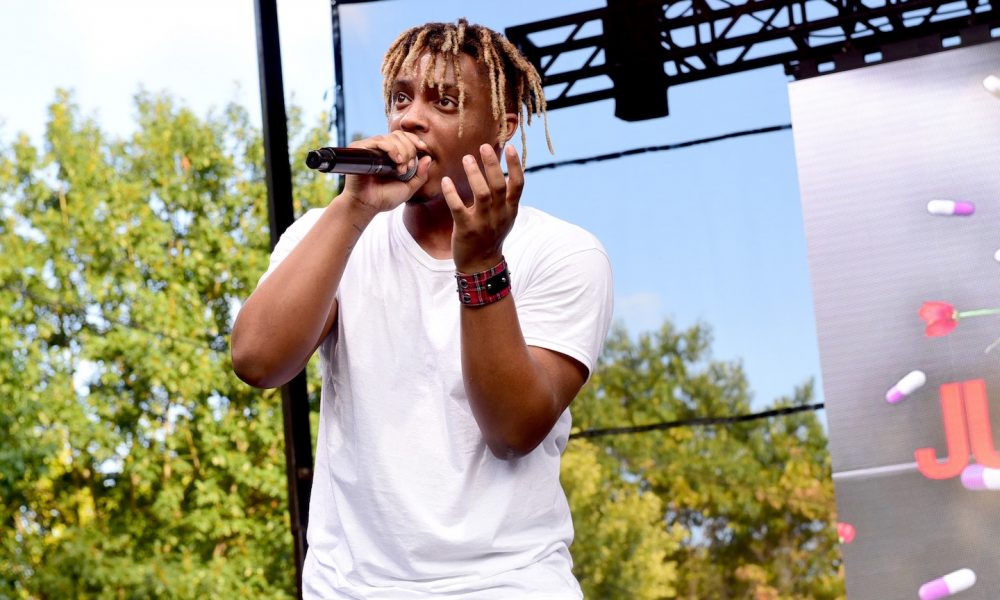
(414, 118)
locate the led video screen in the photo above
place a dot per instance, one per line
(899, 170)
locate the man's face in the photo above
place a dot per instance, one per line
(433, 117)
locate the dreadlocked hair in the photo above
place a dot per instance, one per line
(514, 82)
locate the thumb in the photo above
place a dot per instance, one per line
(420, 178)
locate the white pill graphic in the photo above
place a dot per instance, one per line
(950, 584)
(978, 477)
(951, 207)
(910, 383)
(992, 85)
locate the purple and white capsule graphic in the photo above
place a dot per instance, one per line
(958, 208)
(978, 477)
(910, 383)
(992, 85)
(949, 585)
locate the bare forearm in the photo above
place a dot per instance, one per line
(286, 318)
(511, 396)
(516, 393)
(283, 321)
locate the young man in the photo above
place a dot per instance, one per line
(443, 414)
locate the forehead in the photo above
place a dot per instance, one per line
(473, 73)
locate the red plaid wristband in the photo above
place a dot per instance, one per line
(485, 287)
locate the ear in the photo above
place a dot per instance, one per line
(513, 120)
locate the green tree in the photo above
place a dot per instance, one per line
(744, 510)
(622, 548)
(133, 463)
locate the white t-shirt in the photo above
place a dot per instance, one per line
(407, 500)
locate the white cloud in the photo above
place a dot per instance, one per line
(107, 50)
(355, 18)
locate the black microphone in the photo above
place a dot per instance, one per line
(355, 161)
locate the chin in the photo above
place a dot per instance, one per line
(425, 196)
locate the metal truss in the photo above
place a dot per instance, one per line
(699, 39)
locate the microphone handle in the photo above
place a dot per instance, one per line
(355, 161)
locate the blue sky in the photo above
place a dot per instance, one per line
(712, 233)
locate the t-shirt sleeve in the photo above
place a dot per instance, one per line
(290, 239)
(568, 306)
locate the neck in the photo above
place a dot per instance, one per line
(430, 223)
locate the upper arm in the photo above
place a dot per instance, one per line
(565, 375)
(331, 322)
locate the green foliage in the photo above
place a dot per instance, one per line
(133, 463)
(622, 546)
(742, 511)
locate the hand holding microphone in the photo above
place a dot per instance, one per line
(356, 161)
(382, 171)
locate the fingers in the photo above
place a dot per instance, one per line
(488, 183)
(400, 146)
(454, 201)
(477, 183)
(420, 178)
(409, 145)
(494, 173)
(515, 174)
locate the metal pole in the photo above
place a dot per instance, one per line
(294, 394)
(338, 83)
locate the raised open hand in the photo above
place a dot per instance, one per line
(484, 220)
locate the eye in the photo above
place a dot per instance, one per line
(448, 102)
(399, 98)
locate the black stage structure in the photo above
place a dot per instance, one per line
(631, 51)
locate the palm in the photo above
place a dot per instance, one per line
(379, 193)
